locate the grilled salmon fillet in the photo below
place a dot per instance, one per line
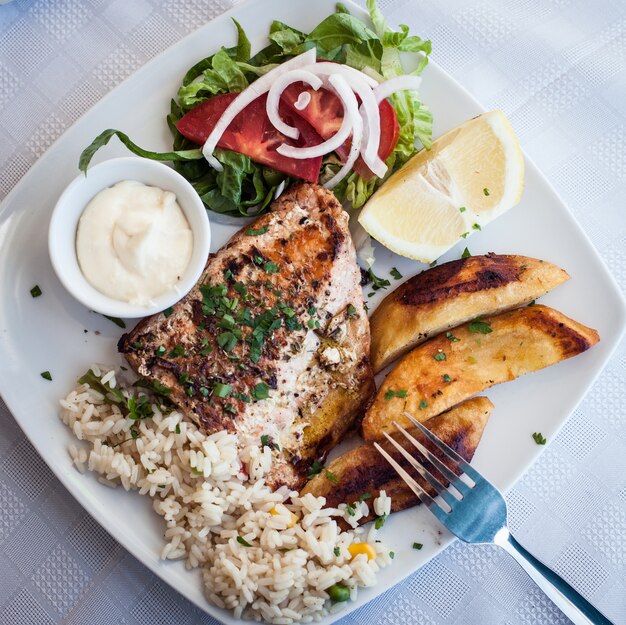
(273, 342)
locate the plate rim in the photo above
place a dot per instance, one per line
(155, 564)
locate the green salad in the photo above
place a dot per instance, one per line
(246, 186)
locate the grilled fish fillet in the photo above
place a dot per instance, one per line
(455, 365)
(273, 342)
(364, 471)
(450, 294)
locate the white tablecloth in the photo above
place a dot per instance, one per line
(557, 68)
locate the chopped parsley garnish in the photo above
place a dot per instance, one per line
(395, 273)
(160, 350)
(227, 340)
(433, 264)
(439, 356)
(478, 326)
(417, 546)
(230, 408)
(390, 394)
(476, 227)
(204, 391)
(351, 310)
(268, 441)
(221, 390)
(466, 253)
(139, 407)
(242, 541)
(392, 554)
(380, 521)
(46, 375)
(330, 476)
(486, 191)
(251, 232)
(158, 388)
(168, 311)
(177, 430)
(451, 337)
(116, 320)
(423, 404)
(539, 438)
(270, 267)
(365, 496)
(462, 209)
(111, 395)
(337, 551)
(261, 391)
(35, 291)
(350, 510)
(178, 351)
(447, 378)
(377, 283)
(315, 469)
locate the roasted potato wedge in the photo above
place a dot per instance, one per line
(363, 470)
(446, 296)
(455, 365)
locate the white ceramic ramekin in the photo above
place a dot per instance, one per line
(69, 207)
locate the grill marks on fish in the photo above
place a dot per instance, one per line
(240, 351)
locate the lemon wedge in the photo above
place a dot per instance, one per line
(471, 175)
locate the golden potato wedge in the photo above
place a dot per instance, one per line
(363, 470)
(451, 294)
(457, 364)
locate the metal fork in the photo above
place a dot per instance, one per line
(475, 511)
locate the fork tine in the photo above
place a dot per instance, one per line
(464, 466)
(423, 496)
(452, 477)
(440, 489)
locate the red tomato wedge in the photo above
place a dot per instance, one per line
(252, 134)
(325, 113)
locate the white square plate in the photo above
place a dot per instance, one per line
(54, 332)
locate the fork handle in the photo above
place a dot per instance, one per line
(566, 598)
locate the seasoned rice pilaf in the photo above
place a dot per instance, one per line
(265, 555)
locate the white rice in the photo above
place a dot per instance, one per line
(213, 497)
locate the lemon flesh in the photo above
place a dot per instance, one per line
(471, 175)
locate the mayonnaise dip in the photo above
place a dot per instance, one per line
(133, 242)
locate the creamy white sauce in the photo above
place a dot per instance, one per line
(133, 242)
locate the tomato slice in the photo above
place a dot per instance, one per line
(251, 133)
(325, 113)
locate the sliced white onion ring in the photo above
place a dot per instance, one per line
(276, 91)
(351, 110)
(303, 101)
(363, 86)
(339, 138)
(371, 132)
(257, 88)
(398, 83)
